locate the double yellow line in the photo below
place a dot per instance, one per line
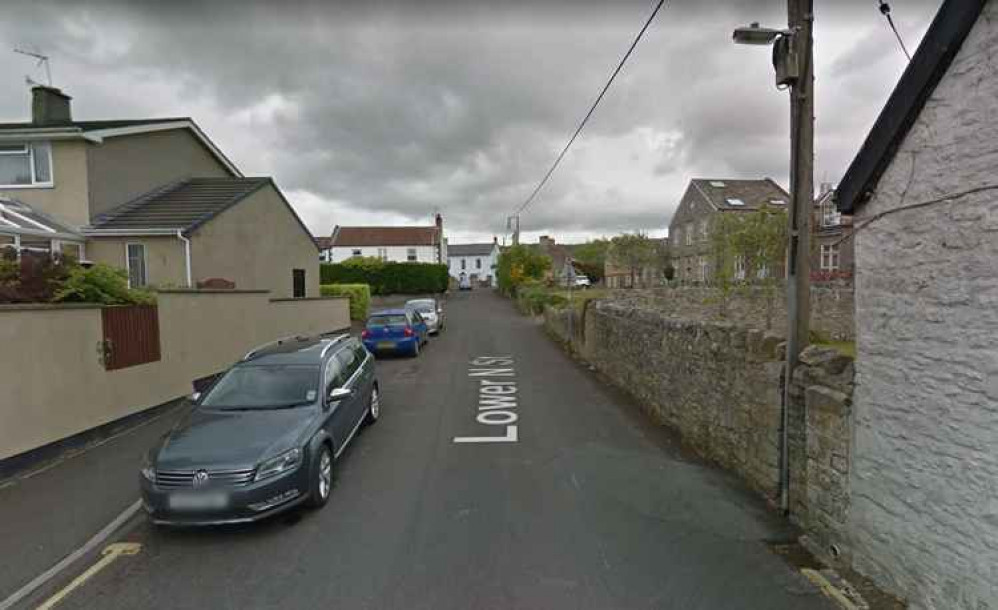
(108, 555)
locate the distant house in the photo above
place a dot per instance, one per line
(689, 229)
(923, 189)
(395, 244)
(324, 244)
(153, 196)
(832, 245)
(477, 262)
(560, 255)
(616, 275)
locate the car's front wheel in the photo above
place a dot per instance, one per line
(415, 348)
(373, 407)
(321, 479)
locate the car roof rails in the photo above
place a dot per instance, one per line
(333, 341)
(256, 350)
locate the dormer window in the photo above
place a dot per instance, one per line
(25, 164)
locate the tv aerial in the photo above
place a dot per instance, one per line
(43, 60)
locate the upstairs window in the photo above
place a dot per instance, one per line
(829, 257)
(689, 234)
(703, 231)
(478, 263)
(410, 255)
(136, 264)
(25, 164)
(355, 252)
(383, 253)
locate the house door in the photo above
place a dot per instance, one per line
(298, 283)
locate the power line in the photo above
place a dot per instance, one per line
(592, 109)
(885, 10)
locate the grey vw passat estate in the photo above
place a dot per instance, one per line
(264, 437)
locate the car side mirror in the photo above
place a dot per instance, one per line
(195, 396)
(440, 310)
(339, 394)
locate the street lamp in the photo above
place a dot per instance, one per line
(792, 55)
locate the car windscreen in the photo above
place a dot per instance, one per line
(387, 320)
(264, 387)
(422, 306)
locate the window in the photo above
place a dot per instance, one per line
(689, 234)
(704, 269)
(383, 253)
(69, 249)
(703, 231)
(678, 239)
(763, 272)
(829, 257)
(298, 283)
(136, 265)
(478, 263)
(735, 201)
(264, 387)
(334, 375)
(410, 255)
(464, 264)
(830, 216)
(739, 267)
(356, 252)
(349, 363)
(26, 164)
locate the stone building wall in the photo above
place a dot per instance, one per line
(924, 516)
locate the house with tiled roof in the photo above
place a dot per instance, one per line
(155, 197)
(413, 244)
(704, 199)
(477, 262)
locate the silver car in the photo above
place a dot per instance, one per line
(432, 312)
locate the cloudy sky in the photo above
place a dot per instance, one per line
(382, 113)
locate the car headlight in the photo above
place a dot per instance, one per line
(147, 469)
(287, 461)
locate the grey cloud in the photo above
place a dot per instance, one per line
(461, 106)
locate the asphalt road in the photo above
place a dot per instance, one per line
(591, 507)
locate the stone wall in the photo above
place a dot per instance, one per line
(757, 307)
(717, 384)
(820, 435)
(720, 386)
(924, 514)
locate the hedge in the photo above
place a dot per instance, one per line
(360, 297)
(388, 278)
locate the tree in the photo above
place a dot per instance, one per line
(749, 248)
(518, 264)
(590, 258)
(634, 252)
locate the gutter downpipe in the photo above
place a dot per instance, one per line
(187, 255)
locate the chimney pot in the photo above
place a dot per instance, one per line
(50, 106)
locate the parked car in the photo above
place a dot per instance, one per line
(401, 331)
(582, 281)
(432, 312)
(265, 436)
(464, 283)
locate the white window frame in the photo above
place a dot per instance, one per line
(689, 233)
(412, 255)
(145, 263)
(830, 257)
(383, 253)
(29, 148)
(739, 267)
(704, 269)
(703, 230)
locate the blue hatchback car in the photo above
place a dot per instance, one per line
(398, 331)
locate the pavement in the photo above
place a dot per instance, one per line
(592, 506)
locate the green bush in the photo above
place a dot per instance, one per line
(533, 296)
(387, 278)
(360, 297)
(102, 284)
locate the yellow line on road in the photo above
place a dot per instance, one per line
(828, 588)
(109, 554)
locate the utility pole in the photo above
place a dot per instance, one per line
(793, 61)
(800, 14)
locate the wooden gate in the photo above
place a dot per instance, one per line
(131, 336)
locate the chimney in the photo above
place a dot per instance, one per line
(545, 241)
(49, 106)
(495, 240)
(439, 222)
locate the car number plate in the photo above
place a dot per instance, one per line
(198, 501)
(386, 345)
